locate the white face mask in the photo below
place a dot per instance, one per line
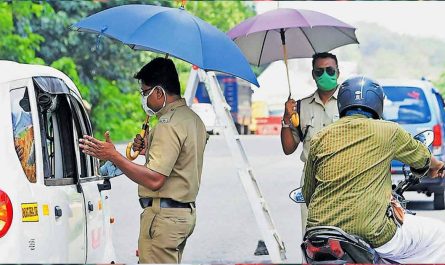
(148, 110)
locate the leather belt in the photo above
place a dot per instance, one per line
(165, 203)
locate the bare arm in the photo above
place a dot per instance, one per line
(106, 151)
(436, 168)
(139, 173)
(288, 142)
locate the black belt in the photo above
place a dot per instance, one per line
(165, 203)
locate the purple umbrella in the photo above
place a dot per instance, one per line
(305, 32)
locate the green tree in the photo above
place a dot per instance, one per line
(18, 42)
(39, 32)
(118, 112)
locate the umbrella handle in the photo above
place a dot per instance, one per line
(133, 156)
(295, 119)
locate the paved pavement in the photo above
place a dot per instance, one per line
(226, 230)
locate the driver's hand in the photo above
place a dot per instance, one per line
(436, 168)
(289, 108)
(139, 144)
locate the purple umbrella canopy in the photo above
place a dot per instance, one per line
(303, 32)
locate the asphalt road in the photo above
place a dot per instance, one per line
(226, 230)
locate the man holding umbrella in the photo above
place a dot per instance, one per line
(313, 112)
(301, 33)
(170, 179)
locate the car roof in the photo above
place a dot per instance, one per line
(12, 71)
(405, 82)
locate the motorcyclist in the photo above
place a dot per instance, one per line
(348, 182)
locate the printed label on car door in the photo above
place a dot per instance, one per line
(30, 212)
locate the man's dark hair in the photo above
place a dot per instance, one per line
(323, 55)
(160, 72)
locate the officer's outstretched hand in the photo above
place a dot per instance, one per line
(139, 144)
(289, 108)
(103, 150)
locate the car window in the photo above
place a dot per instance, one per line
(23, 131)
(57, 136)
(82, 126)
(405, 105)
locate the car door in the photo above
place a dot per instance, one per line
(63, 203)
(97, 220)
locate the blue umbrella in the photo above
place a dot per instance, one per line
(173, 31)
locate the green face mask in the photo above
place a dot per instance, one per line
(326, 82)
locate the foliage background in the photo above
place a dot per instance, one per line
(38, 32)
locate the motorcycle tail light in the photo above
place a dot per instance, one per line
(311, 250)
(335, 248)
(5, 213)
(328, 250)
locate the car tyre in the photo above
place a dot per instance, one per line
(439, 202)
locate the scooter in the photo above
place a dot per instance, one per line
(332, 245)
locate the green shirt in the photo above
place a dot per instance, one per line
(347, 179)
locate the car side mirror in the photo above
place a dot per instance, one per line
(425, 137)
(297, 195)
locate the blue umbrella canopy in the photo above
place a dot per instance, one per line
(173, 31)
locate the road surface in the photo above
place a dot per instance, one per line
(226, 230)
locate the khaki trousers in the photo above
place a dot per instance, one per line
(164, 232)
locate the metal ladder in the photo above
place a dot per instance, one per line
(274, 244)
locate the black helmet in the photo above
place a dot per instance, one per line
(361, 92)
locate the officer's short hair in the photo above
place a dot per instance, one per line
(323, 55)
(160, 72)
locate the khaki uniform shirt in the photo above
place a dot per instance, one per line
(175, 148)
(315, 115)
(348, 181)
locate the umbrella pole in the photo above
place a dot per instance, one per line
(283, 42)
(294, 117)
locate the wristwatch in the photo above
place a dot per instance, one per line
(284, 125)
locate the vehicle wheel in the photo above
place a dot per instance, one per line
(439, 203)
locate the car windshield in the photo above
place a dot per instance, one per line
(405, 105)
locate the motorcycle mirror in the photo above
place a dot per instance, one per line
(297, 195)
(425, 137)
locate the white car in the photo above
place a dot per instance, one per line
(54, 206)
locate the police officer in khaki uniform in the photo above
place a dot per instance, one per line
(314, 112)
(170, 179)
